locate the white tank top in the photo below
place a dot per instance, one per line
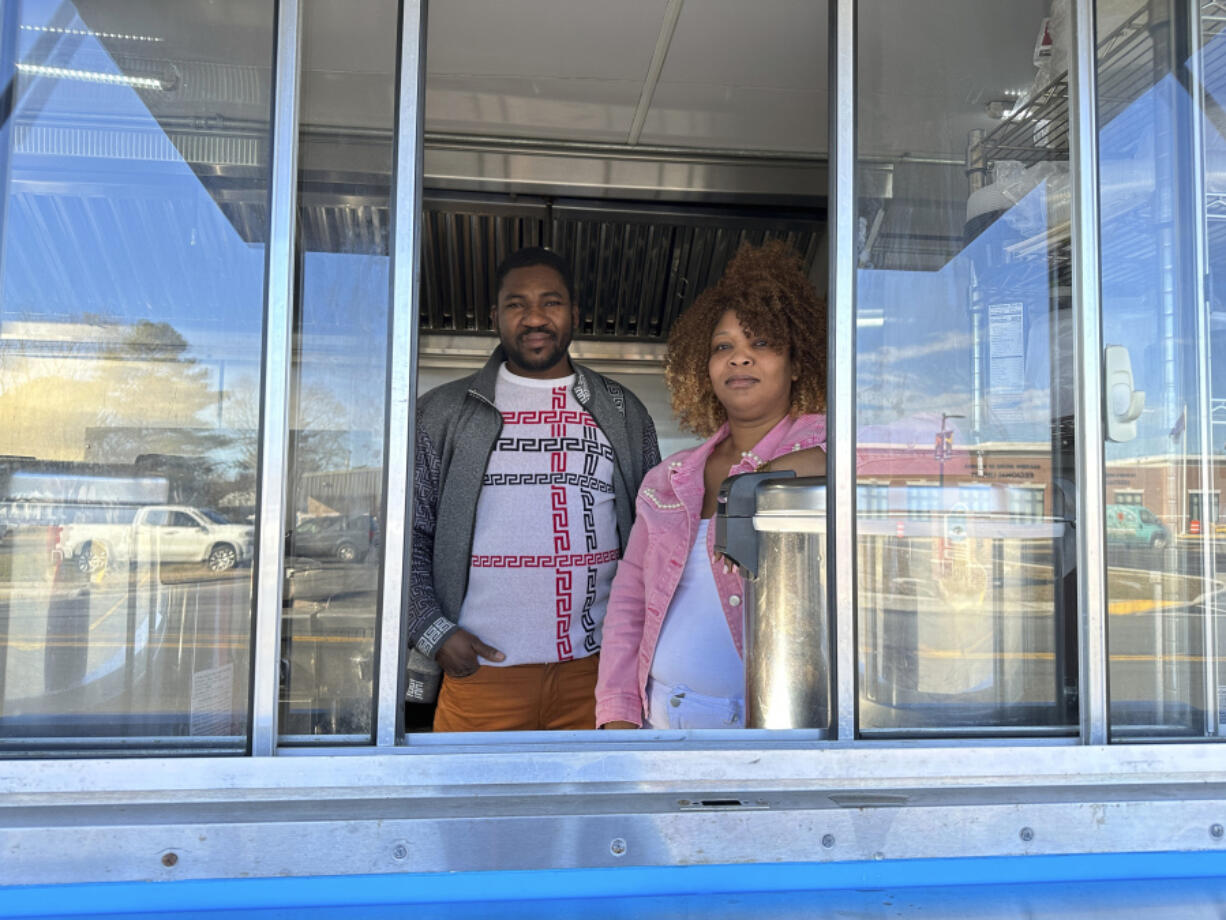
(695, 649)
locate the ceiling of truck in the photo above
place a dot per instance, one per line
(733, 74)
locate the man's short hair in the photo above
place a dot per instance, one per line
(536, 255)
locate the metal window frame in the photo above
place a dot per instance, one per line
(405, 275)
(574, 800)
(1088, 379)
(841, 446)
(1208, 556)
(748, 802)
(281, 257)
(404, 292)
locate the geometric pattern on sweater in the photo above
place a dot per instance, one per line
(545, 546)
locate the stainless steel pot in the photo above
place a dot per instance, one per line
(773, 526)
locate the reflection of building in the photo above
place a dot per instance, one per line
(1024, 470)
(339, 492)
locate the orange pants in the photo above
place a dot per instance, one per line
(522, 697)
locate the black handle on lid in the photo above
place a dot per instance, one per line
(736, 505)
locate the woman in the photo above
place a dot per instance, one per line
(746, 366)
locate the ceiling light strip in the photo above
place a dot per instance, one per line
(87, 32)
(89, 76)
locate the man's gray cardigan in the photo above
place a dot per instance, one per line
(457, 427)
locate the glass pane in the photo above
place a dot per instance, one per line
(964, 401)
(1161, 75)
(333, 542)
(133, 222)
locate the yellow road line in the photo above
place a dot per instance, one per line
(1126, 608)
(123, 600)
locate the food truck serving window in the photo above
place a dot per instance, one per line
(228, 277)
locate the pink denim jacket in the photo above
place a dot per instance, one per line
(668, 510)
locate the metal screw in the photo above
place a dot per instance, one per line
(827, 840)
(169, 859)
(1027, 834)
(1216, 831)
(617, 846)
(400, 851)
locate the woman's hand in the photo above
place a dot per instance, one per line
(618, 725)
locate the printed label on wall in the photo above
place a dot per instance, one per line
(1006, 360)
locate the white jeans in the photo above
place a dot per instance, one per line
(681, 707)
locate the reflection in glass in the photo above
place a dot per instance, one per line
(134, 166)
(1162, 156)
(333, 530)
(964, 401)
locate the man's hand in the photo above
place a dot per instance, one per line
(458, 655)
(618, 725)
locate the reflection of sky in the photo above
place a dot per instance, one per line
(105, 234)
(119, 229)
(142, 238)
(917, 362)
(343, 348)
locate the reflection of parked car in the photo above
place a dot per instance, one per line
(1135, 525)
(165, 533)
(346, 538)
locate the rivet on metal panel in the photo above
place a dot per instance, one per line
(170, 859)
(1027, 834)
(400, 851)
(617, 846)
(828, 840)
(1216, 831)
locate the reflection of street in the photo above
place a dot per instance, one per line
(1182, 556)
(1157, 668)
(951, 635)
(1158, 603)
(328, 637)
(135, 651)
(980, 633)
(161, 650)
(961, 633)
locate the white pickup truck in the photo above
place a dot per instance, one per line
(159, 533)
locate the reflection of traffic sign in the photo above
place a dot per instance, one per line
(898, 529)
(943, 445)
(1194, 527)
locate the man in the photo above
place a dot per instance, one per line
(524, 486)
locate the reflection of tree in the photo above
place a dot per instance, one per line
(316, 443)
(100, 374)
(94, 389)
(154, 383)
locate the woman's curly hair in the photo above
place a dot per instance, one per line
(767, 288)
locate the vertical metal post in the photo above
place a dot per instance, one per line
(1088, 376)
(841, 447)
(402, 369)
(9, 23)
(1204, 375)
(274, 396)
